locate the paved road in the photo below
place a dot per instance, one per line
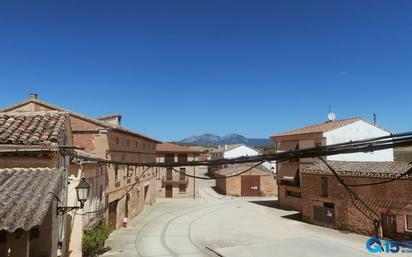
(216, 225)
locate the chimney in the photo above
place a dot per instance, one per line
(33, 95)
(114, 119)
(374, 118)
(225, 147)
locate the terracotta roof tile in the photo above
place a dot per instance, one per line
(166, 147)
(321, 127)
(25, 196)
(358, 169)
(36, 128)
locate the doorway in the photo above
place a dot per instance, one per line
(389, 226)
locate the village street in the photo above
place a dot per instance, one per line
(215, 225)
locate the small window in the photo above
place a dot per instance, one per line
(324, 187)
(137, 144)
(409, 222)
(117, 140)
(116, 173)
(293, 194)
(144, 146)
(128, 142)
(182, 173)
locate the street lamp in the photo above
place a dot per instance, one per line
(82, 193)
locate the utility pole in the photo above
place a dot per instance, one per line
(194, 182)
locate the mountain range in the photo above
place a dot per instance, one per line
(211, 139)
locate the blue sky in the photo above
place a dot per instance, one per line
(179, 68)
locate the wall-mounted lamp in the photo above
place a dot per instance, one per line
(82, 192)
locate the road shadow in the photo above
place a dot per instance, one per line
(295, 216)
(266, 203)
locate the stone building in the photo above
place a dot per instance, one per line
(321, 134)
(33, 183)
(106, 139)
(172, 184)
(94, 208)
(325, 201)
(258, 181)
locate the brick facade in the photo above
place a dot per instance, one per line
(386, 199)
(233, 185)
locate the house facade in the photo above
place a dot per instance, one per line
(326, 133)
(33, 183)
(256, 181)
(173, 184)
(106, 139)
(235, 151)
(326, 202)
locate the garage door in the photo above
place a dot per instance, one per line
(250, 185)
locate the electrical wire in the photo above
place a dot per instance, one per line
(210, 178)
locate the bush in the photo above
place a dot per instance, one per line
(93, 240)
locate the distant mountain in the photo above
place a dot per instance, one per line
(210, 139)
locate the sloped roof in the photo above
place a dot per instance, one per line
(25, 196)
(358, 169)
(231, 147)
(320, 127)
(166, 147)
(239, 168)
(77, 115)
(34, 128)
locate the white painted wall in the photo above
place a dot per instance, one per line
(240, 151)
(243, 150)
(357, 131)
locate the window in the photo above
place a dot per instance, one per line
(324, 187)
(182, 157)
(117, 140)
(144, 146)
(408, 219)
(128, 142)
(137, 144)
(182, 175)
(116, 173)
(293, 194)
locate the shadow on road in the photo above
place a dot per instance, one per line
(267, 203)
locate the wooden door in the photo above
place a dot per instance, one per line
(389, 226)
(169, 191)
(112, 215)
(250, 185)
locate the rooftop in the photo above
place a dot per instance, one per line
(35, 128)
(80, 116)
(25, 196)
(166, 147)
(320, 127)
(358, 169)
(238, 168)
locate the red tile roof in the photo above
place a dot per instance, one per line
(320, 127)
(358, 169)
(78, 115)
(36, 128)
(174, 148)
(26, 195)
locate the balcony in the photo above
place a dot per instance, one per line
(174, 180)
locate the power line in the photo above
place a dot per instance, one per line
(366, 145)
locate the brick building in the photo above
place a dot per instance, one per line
(258, 181)
(325, 201)
(325, 133)
(33, 183)
(106, 138)
(172, 184)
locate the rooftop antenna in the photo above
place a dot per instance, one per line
(331, 115)
(374, 118)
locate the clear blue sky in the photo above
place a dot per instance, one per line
(181, 68)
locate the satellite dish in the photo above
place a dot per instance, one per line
(331, 116)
